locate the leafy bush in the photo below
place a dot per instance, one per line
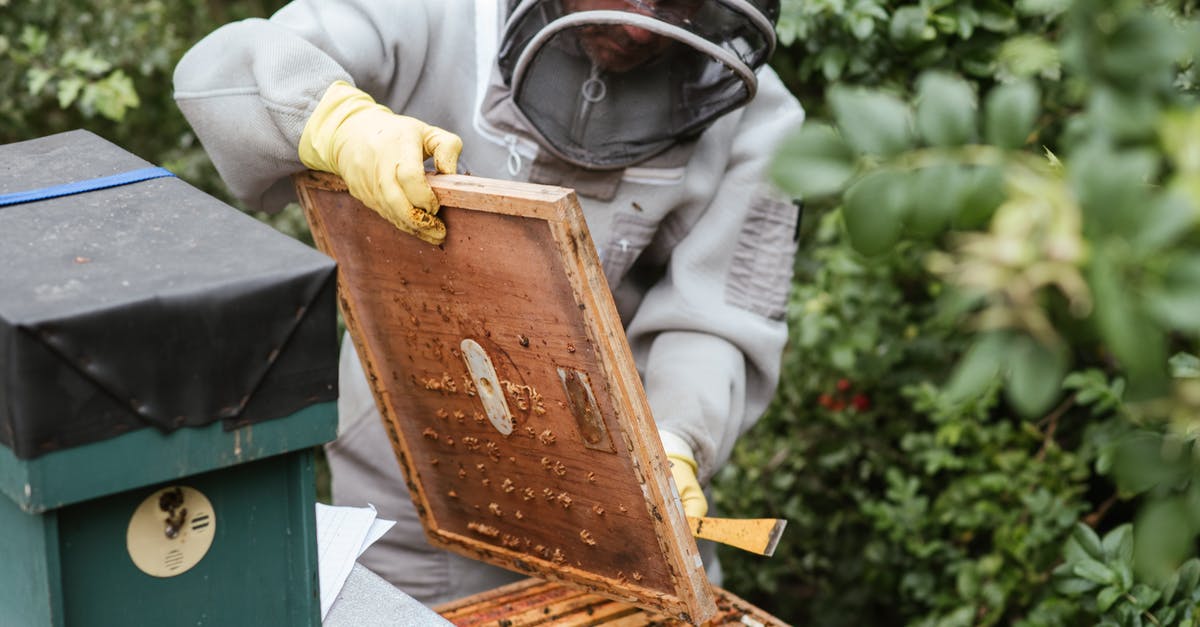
(886, 43)
(1009, 271)
(105, 66)
(899, 506)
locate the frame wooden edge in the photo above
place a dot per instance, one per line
(619, 366)
(478, 194)
(456, 605)
(319, 180)
(566, 574)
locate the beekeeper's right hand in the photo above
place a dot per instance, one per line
(381, 157)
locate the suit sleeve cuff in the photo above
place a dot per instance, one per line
(676, 445)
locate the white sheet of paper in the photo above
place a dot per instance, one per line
(343, 533)
(378, 528)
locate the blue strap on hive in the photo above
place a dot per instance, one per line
(79, 187)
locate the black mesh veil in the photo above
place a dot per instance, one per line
(608, 83)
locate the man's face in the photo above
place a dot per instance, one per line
(621, 47)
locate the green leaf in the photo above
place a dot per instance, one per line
(1137, 343)
(1118, 544)
(1139, 465)
(1034, 376)
(1166, 220)
(874, 209)
(1124, 574)
(984, 192)
(1010, 112)
(872, 122)
(944, 24)
(37, 79)
(862, 26)
(1189, 575)
(967, 18)
(1177, 300)
(1142, 47)
(966, 583)
(1029, 56)
(946, 108)
(1170, 588)
(1179, 132)
(1125, 116)
(68, 91)
(978, 368)
(813, 162)
(833, 62)
(1074, 586)
(964, 616)
(1095, 571)
(1163, 537)
(909, 27)
(997, 17)
(1144, 596)
(1073, 551)
(84, 60)
(112, 96)
(1107, 597)
(1112, 187)
(938, 193)
(1088, 541)
(1185, 366)
(1045, 8)
(35, 39)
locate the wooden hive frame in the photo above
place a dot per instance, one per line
(501, 369)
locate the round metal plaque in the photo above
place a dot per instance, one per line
(171, 531)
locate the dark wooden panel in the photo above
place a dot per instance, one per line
(569, 483)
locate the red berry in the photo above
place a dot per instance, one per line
(839, 405)
(843, 385)
(825, 400)
(861, 402)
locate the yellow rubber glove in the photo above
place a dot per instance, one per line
(381, 157)
(684, 471)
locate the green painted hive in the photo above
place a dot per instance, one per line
(167, 365)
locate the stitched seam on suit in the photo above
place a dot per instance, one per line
(217, 93)
(761, 274)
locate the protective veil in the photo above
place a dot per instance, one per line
(611, 86)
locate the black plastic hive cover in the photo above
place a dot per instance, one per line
(148, 304)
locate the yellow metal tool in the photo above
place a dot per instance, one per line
(757, 535)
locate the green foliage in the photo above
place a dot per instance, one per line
(904, 504)
(105, 66)
(1099, 573)
(1006, 262)
(887, 43)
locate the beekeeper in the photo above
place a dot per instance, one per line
(660, 114)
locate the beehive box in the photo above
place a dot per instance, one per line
(505, 381)
(167, 364)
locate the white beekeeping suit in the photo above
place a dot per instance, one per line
(666, 135)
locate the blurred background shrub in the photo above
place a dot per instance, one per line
(990, 402)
